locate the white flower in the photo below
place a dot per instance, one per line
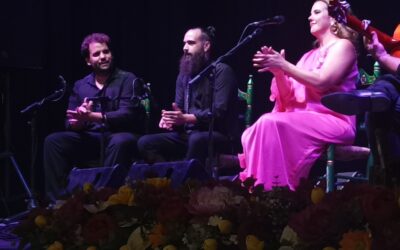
(214, 220)
(289, 236)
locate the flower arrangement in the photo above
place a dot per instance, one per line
(149, 214)
(360, 216)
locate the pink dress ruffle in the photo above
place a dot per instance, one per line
(280, 147)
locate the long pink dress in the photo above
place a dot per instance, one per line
(280, 147)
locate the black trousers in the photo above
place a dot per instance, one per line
(63, 150)
(181, 145)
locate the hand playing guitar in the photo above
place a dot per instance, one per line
(374, 47)
(340, 10)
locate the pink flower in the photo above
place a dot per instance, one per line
(209, 201)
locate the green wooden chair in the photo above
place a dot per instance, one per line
(247, 96)
(229, 163)
(348, 153)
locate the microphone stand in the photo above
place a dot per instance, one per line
(33, 108)
(103, 104)
(209, 71)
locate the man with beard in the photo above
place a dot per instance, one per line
(100, 114)
(188, 121)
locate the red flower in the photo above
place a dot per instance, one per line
(387, 236)
(28, 225)
(103, 193)
(71, 212)
(173, 209)
(325, 222)
(313, 223)
(99, 228)
(380, 206)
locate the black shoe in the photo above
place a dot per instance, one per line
(356, 102)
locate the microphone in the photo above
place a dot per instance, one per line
(269, 21)
(58, 94)
(139, 89)
(62, 80)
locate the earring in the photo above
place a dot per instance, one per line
(335, 28)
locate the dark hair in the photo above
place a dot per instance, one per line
(208, 34)
(94, 38)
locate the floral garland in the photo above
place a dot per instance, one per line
(150, 214)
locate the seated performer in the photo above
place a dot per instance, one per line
(100, 108)
(381, 101)
(188, 120)
(280, 147)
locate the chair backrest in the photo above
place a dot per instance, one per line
(368, 79)
(247, 96)
(349, 153)
(146, 102)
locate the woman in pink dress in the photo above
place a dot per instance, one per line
(281, 146)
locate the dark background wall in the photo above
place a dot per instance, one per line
(40, 40)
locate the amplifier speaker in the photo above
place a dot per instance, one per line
(177, 171)
(98, 176)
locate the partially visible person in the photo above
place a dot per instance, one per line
(382, 103)
(100, 113)
(187, 122)
(281, 146)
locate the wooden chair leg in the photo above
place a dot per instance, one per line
(382, 174)
(369, 173)
(330, 171)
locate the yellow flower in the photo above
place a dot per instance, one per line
(158, 182)
(170, 247)
(125, 196)
(124, 247)
(317, 194)
(210, 244)
(225, 226)
(359, 240)
(88, 187)
(125, 190)
(137, 240)
(91, 248)
(253, 243)
(40, 221)
(56, 246)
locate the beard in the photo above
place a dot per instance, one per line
(103, 69)
(191, 64)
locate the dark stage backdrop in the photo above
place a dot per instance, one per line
(40, 39)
